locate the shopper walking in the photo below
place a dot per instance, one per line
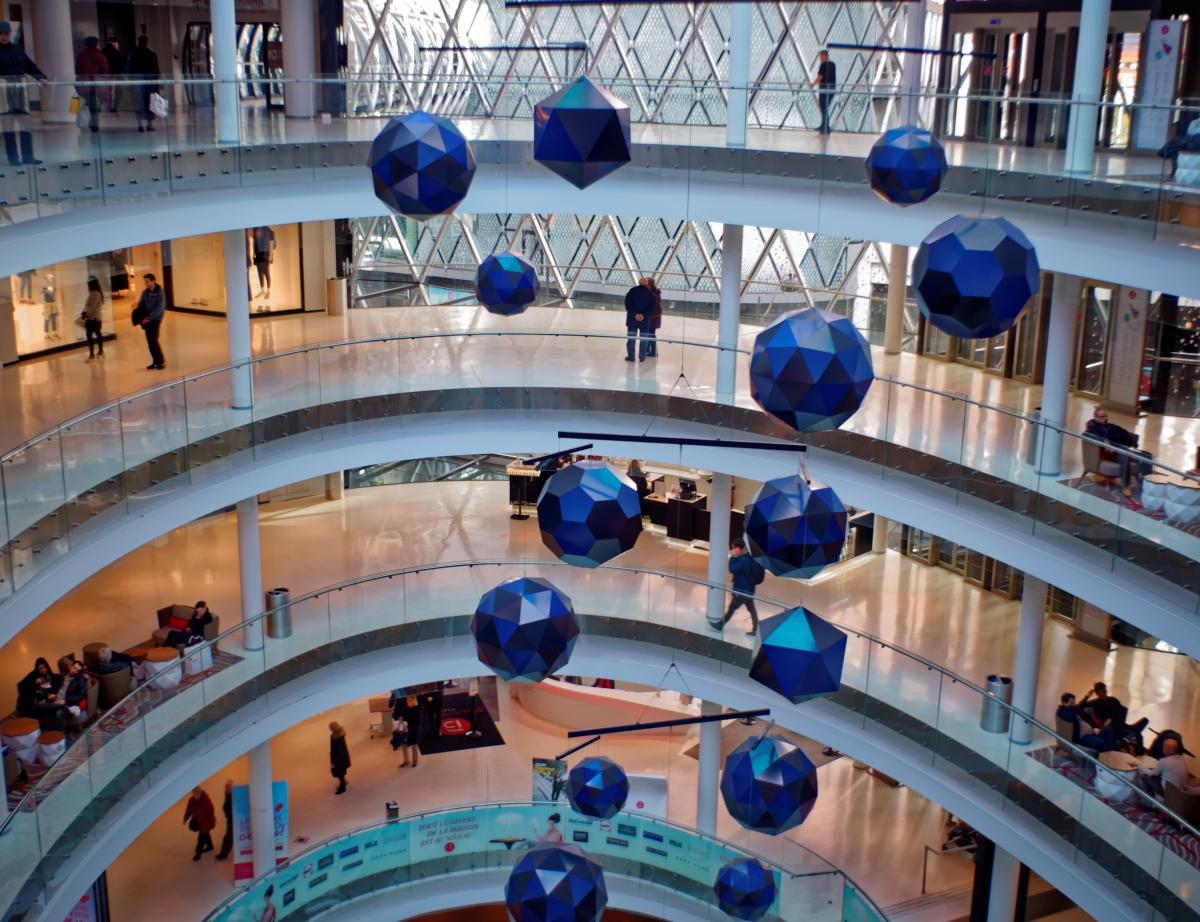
(149, 313)
(825, 83)
(116, 64)
(90, 69)
(655, 317)
(15, 66)
(411, 713)
(142, 66)
(200, 818)
(339, 755)
(747, 575)
(91, 317)
(639, 309)
(227, 809)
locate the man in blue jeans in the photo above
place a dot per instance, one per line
(639, 309)
(747, 574)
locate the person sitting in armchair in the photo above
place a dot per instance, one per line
(109, 661)
(59, 708)
(1116, 464)
(201, 618)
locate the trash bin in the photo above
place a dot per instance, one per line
(995, 714)
(1034, 448)
(393, 810)
(337, 295)
(279, 613)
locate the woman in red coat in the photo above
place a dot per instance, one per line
(91, 66)
(201, 818)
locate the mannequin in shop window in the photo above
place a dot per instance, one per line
(262, 245)
(50, 309)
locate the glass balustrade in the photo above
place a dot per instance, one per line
(1092, 813)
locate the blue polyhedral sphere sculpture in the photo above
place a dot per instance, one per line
(581, 133)
(555, 883)
(799, 655)
(768, 785)
(744, 889)
(598, 787)
(589, 513)
(506, 283)
(973, 276)
(524, 629)
(810, 369)
(422, 165)
(906, 165)
(794, 529)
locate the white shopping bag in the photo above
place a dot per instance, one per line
(158, 105)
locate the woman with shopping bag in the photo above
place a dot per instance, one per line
(143, 67)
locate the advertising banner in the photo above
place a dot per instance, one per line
(549, 780)
(243, 839)
(85, 909)
(1151, 127)
(1131, 309)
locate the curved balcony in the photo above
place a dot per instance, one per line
(655, 866)
(1120, 856)
(938, 461)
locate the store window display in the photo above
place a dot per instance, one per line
(273, 271)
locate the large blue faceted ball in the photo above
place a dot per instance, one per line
(598, 787)
(799, 655)
(744, 889)
(768, 785)
(906, 165)
(589, 513)
(973, 276)
(810, 369)
(506, 283)
(422, 165)
(555, 883)
(524, 629)
(794, 529)
(581, 133)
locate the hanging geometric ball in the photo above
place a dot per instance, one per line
(769, 786)
(422, 165)
(795, 529)
(581, 133)
(799, 655)
(810, 369)
(589, 513)
(973, 276)
(506, 283)
(906, 165)
(555, 883)
(597, 786)
(524, 629)
(744, 889)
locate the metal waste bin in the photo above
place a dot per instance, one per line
(279, 613)
(995, 714)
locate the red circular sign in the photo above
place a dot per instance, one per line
(449, 847)
(455, 726)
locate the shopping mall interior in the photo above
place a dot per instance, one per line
(558, 460)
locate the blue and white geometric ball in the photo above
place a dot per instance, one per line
(506, 283)
(555, 883)
(589, 513)
(598, 786)
(768, 784)
(906, 165)
(524, 629)
(421, 165)
(744, 889)
(795, 529)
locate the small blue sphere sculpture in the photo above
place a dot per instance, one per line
(506, 283)
(589, 513)
(810, 369)
(744, 889)
(906, 166)
(422, 165)
(799, 655)
(768, 785)
(524, 629)
(598, 787)
(794, 529)
(555, 883)
(581, 133)
(973, 276)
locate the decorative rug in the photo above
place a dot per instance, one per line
(1114, 495)
(458, 719)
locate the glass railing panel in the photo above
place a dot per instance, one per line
(1178, 876)
(219, 420)
(1107, 835)
(69, 802)
(1158, 523)
(35, 494)
(115, 744)
(363, 608)
(20, 856)
(809, 896)
(1042, 779)
(155, 436)
(93, 465)
(292, 632)
(963, 747)
(903, 693)
(357, 382)
(287, 394)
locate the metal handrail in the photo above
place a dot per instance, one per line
(938, 851)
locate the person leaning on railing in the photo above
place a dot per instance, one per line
(15, 66)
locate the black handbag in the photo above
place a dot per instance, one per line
(193, 825)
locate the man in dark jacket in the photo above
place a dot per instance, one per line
(747, 574)
(91, 73)
(60, 708)
(143, 67)
(15, 66)
(825, 83)
(639, 309)
(339, 755)
(149, 313)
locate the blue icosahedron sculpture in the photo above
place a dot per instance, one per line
(906, 165)
(581, 133)
(794, 529)
(589, 513)
(810, 369)
(799, 655)
(598, 787)
(744, 889)
(506, 283)
(524, 629)
(972, 277)
(555, 883)
(768, 785)
(422, 165)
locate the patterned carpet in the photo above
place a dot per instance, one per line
(1113, 495)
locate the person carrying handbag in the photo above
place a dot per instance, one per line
(200, 817)
(91, 317)
(143, 66)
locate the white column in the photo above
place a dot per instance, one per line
(250, 567)
(879, 535)
(299, 57)
(720, 501)
(1056, 376)
(1085, 90)
(8, 327)
(237, 318)
(893, 324)
(1002, 894)
(914, 37)
(224, 53)
(739, 75)
(262, 808)
(54, 53)
(1029, 654)
(708, 771)
(730, 309)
